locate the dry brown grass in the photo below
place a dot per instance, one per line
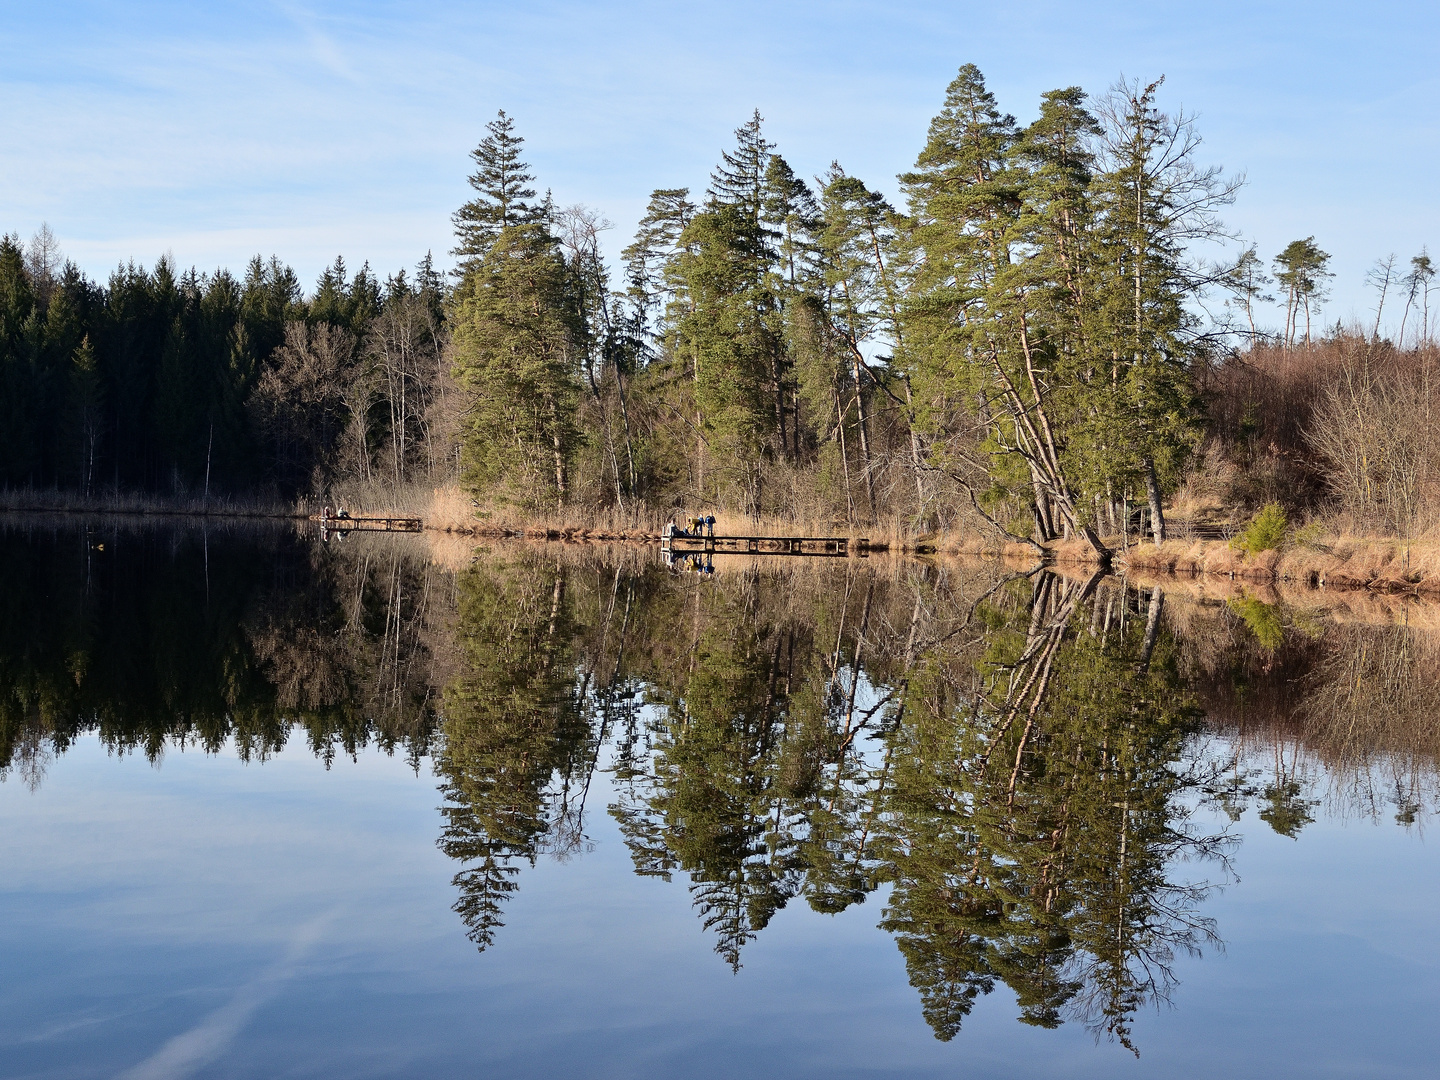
(1349, 562)
(450, 509)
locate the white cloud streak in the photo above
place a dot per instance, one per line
(185, 1054)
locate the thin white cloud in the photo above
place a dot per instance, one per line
(187, 1053)
(323, 48)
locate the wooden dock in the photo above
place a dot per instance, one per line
(832, 546)
(331, 523)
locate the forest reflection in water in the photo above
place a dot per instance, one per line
(1019, 764)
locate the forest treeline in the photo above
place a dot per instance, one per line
(1035, 342)
(170, 382)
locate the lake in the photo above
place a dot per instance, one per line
(396, 806)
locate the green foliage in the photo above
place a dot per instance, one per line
(511, 721)
(1286, 809)
(1266, 531)
(186, 382)
(1301, 269)
(517, 355)
(1022, 339)
(1047, 309)
(502, 197)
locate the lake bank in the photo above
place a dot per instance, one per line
(1328, 561)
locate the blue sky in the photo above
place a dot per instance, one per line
(218, 131)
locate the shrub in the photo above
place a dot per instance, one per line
(1266, 531)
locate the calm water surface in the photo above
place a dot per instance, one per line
(369, 809)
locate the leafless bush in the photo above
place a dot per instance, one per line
(1346, 420)
(1374, 429)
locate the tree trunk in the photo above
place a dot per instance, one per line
(780, 406)
(1044, 515)
(1152, 491)
(914, 445)
(609, 436)
(559, 453)
(625, 421)
(844, 459)
(864, 435)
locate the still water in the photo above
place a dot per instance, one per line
(377, 808)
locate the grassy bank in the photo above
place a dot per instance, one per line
(449, 509)
(1375, 563)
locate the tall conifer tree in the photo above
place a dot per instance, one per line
(502, 182)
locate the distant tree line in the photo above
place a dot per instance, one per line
(163, 381)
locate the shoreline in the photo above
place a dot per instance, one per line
(1373, 564)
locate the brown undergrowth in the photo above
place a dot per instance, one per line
(1373, 563)
(1334, 561)
(451, 510)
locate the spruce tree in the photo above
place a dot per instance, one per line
(739, 179)
(19, 389)
(1152, 201)
(737, 209)
(501, 180)
(517, 355)
(86, 401)
(729, 344)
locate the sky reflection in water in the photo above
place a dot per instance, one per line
(212, 916)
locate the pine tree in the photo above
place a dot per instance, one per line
(517, 355)
(1152, 201)
(856, 250)
(792, 216)
(1301, 269)
(971, 340)
(1417, 287)
(501, 179)
(652, 285)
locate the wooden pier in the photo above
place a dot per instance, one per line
(832, 546)
(332, 523)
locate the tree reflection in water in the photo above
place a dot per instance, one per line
(1011, 761)
(1019, 776)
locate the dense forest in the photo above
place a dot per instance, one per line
(1048, 340)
